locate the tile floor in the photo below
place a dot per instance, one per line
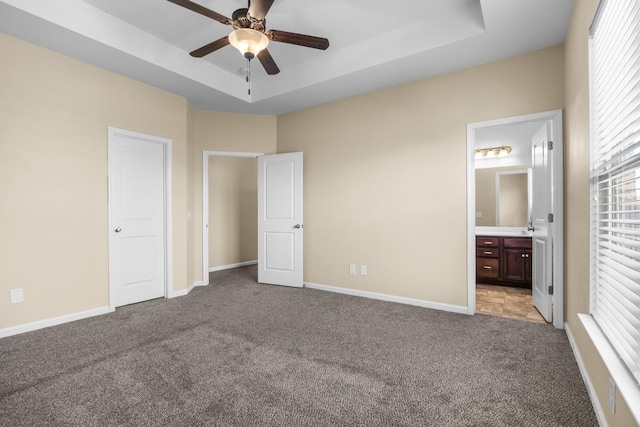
(503, 301)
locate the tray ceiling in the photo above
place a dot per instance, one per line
(374, 43)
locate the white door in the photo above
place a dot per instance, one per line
(136, 218)
(280, 219)
(541, 208)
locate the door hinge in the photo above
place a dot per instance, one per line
(550, 217)
(550, 290)
(550, 145)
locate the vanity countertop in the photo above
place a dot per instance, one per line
(503, 231)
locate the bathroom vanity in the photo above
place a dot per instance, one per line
(504, 260)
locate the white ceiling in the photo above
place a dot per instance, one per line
(373, 43)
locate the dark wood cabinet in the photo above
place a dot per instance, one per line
(488, 257)
(517, 259)
(503, 260)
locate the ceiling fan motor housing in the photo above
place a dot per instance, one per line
(242, 19)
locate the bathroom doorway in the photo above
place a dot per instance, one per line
(546, 269)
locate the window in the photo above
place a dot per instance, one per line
(615, 177)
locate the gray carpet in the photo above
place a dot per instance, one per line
(237, 353)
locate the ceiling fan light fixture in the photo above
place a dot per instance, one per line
(249, 42)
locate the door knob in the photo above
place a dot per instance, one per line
(297, 226)
(117, 229)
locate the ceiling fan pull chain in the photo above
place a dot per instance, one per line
(249, 74)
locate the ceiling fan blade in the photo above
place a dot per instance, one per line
(259, 8)
(211, 47)
(268, 63)
(202, 10)
(298, 39)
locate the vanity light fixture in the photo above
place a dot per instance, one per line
(493, 152)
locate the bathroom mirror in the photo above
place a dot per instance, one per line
(503, 196)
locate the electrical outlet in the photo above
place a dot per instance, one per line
(16, 296)
(363, 270)
(352, 269)
(612, 396)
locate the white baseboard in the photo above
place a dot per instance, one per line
(40, 324)
(230, 266)
(183, 292)
(384, 297)
(602, 421)
(28, 327)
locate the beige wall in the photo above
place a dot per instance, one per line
(214, 131)
(53, 177)
(385, 174)
(233, 210)
(577, 206)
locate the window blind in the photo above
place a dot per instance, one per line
(615, 177)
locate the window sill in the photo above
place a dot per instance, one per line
(625, 382)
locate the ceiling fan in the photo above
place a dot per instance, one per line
(250, 36)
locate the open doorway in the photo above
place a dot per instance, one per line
(279, 210)
(226, 239)
(509, 252)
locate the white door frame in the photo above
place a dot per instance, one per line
(555, 118)
(168, 215)
(206, 155)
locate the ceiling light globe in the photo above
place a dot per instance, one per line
(249, 42)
